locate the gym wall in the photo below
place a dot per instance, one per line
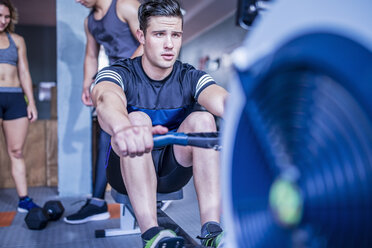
(42, 60)
(216, 43)
(74, 119)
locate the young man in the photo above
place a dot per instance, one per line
(154, 94)
(113, 24)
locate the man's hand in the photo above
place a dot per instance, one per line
(135, 140)
(85, 97)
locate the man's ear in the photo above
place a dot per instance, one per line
(140, 36)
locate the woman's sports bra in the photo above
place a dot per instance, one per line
(9, 55)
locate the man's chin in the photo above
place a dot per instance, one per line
(166, 64)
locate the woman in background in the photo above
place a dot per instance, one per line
(15, 112)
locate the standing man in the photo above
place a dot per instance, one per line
(153, 94)
(113, 24)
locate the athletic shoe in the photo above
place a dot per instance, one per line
(88, 212)
(165, 239)
(26, 204)
(214, 237)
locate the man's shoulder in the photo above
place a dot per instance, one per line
(179, 63)
(188, 70)
(127, 8)
(90, 15)
(184, 66)
(124, 63)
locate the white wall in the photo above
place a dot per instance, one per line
(74, 119)
(218, 42)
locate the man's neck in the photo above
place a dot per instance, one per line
(154, 72)
(102, 7)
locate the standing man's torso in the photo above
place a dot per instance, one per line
(113, 33)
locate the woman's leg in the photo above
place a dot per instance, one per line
(15, 132)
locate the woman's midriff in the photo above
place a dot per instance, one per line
(9, 76)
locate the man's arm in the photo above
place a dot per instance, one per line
(128, 12)
(126, 139)
(90, 64)
(213, 98)
(111, 107)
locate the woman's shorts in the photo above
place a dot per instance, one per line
(170, 174)
(12, 103)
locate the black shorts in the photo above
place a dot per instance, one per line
(12, 103)
(170, 174)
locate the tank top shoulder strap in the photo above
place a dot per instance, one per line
(11, 41)
(92, 23)
(112, 7)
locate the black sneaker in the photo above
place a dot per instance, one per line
(88, 212)
(214, 237)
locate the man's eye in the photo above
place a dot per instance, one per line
(159, 34)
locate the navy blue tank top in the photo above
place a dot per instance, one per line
(9, 55)
(113, 34)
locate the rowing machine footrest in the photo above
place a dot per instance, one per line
(128, 223)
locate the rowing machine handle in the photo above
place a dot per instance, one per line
(203, 140)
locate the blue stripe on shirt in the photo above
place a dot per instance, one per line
(170, 118)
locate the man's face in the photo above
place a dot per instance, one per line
(87, 3)
(162, 42)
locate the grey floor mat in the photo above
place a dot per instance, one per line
(59, 234)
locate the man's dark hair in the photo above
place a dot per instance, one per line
(157, 8)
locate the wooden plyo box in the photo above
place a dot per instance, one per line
(40, 154)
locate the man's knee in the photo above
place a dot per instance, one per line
(139, 118)
(200, 121)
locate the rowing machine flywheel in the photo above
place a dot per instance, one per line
(301, 157)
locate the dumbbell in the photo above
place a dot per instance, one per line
(37, 218)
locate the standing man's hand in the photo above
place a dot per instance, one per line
(135, 140)
(85, 97)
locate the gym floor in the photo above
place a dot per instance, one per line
(14, 232)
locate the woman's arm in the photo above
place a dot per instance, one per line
(25, 77)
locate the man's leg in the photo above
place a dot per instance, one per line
(140, 180)
(205, 164)
(206, 169)
(95, 208)
(100, 181)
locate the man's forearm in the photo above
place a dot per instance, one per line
(90, 69)
(111, 110)
(112, 121)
